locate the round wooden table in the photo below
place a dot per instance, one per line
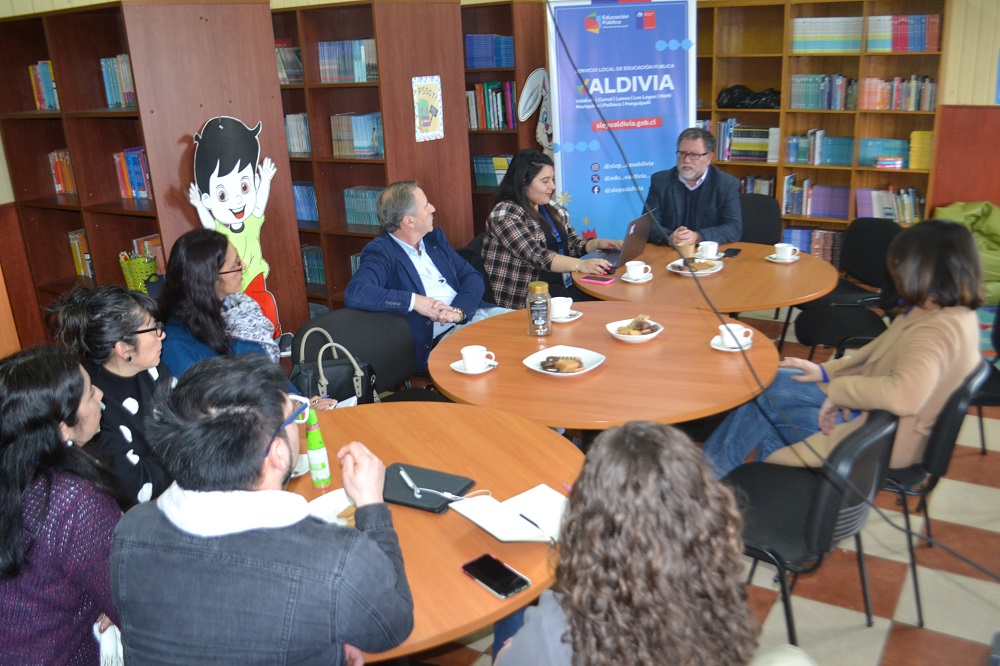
(672, 378)
(746, 282)
(504, 453)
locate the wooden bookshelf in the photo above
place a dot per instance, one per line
(525, 22)
(408, 38)
(750, 43)
(177, 93)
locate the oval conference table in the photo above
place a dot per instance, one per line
(503, 453)
(675, 377)
(746, 282)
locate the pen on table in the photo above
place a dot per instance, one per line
(567, 487)
(408, 481)
(538, 527)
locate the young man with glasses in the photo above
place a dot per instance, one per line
(694, 201)
(226, 567)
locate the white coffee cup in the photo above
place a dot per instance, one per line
(785, 251)
(636, 270)
(735, 336)
(561, 306)
(476, 358)
(708, 249)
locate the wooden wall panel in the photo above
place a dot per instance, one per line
(961, 171)
(20, 288)
(971, 47)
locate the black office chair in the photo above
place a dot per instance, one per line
(383, 339)
(862, 257)
(988, 394)
(761, 219)
(838, 325)
(793, 517)
(920, 479)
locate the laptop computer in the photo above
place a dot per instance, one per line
(636, 235)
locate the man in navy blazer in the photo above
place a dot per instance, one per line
(694, 201)
(412, 270)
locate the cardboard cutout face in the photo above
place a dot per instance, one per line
(232, 197)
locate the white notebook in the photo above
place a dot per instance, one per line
(541, 505)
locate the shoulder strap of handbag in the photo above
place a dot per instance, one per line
(359, 374)
(302, 343)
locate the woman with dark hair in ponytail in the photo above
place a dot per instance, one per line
(58, 510)
(115, 335)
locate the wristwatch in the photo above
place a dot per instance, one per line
(461, 314)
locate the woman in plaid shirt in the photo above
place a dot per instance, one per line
(528, 236)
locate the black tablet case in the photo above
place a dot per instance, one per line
(397, 492)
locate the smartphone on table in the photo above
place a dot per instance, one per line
(496, 576)
(597, 279)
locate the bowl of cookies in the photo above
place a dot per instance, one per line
(634, 331)
(564, 361)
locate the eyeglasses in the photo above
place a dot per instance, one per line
(239, 268)
(681, 155)
(299, 415)
(158, 328)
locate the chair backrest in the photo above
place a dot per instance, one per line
(383, 339)
(866, 245)
(761, 219)
(839, 509)
(941, 442)
(473, 253)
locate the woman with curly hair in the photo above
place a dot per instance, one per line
(649, 562)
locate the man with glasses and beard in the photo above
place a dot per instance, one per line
(226, 567)
(694, 201)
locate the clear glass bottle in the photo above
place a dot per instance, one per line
(539, 309)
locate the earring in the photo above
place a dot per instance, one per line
(69, 442)
(128, 358)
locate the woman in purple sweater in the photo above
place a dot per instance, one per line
(58, 509)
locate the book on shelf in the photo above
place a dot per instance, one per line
(152, 247)
(489, 170)
(43, 84)
(289, 60)
(132, 171)
(62, 172)
(119, 87)
(916, 93)
(484, 51)
(312, 264)
(921, 144)
(873, 148)
(306, 211)
(747, 143)
(823, 92)
(913, 33)
(297, 133)
(359, 205)
(534, 515)
(904, 206)
(826, 34)
(816, 148)
(756, 184)
(492, 105)
(355, 263)
(80, 250)
(348, 61)
(357, 134)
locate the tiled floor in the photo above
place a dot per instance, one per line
(961, 606)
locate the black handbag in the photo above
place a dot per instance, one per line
(336, 377)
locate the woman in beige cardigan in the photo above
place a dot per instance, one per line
(909, 370)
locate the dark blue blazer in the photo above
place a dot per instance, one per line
(718, 217)
(386, 278)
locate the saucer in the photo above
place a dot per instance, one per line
(678, 267)
(301, 466)
(459, 366)
(716, 343)
(699, 255)
(645, 278)
(572, 316)
(774, 259)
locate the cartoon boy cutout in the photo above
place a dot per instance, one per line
(230, 197)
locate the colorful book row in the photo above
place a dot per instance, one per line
(289, 62)
(918, 93)
(824, 92)
(815, 200)
(818, 149)
(152, 247)
(133, 174)
(357, 135)
(747, 143)
(350, 61)
(119, 88)
(834, 34)
(905, 205)
(62, 172)
(306, 211)
(80, 250)
(485, 51)
(820, 243)
(359, 205)
(43, 85)
(904, 34)
(312, 265)
(492, 105)
(489, 170)
(757, 184)
(297, 134)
